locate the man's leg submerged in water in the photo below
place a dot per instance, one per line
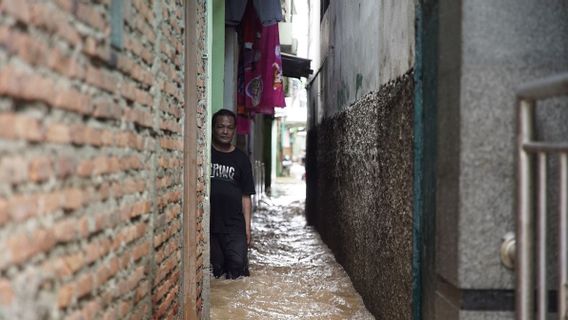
(236, 261)
(217, 255)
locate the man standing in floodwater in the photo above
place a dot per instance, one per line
(232, 185)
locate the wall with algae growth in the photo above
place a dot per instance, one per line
(360, 194)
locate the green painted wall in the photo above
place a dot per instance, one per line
(217, 55)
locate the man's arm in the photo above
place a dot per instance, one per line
(247, 208)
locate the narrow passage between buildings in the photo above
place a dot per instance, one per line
(293, 274)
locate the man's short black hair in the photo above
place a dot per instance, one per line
(226, 113)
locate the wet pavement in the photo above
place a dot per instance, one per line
(293, 274)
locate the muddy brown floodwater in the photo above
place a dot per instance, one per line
(293, 274)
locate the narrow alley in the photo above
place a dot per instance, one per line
(400, 159)
(293, 273)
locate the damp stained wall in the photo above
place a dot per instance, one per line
(359, 145)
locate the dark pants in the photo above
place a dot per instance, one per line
(229, 255)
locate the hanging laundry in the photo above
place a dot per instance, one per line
(260, 85)
(234, 11)
(243, 121)
(268, 11)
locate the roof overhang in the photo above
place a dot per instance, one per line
(295, 67)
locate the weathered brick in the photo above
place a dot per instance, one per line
(84, 13)
(128, 140)
(105, 108)
(74, 198)
(164, 306)
(97, 249)
(40, 169)
(23, 206)
(144, 10)
(140, 117)
(14, 126)
(128, 284)
(168, 198)
(58, 133)
(13, 169)
(166, 250)
(44, 90)
(135, 210)
(82, 188)
(170, 125)
(164, 182)
(65, 295)
(165, 287)
(142, 291)
(171, 144)
(98, 50)
(128, 235)
(6, 292)
(110, 314)
(161, 237)
(66, 230)
(170, 162)
(124, 308)
(141, 250)
(4, 211)
(84, 285)
(135, 46)
(22, 246)
(67, 265)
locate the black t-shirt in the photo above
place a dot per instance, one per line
(231, 178)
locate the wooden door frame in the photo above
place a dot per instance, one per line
(190, 154)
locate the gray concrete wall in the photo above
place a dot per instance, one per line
(487, 49)
(364, 44)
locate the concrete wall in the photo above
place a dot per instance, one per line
(487, 49)
(364, 44)
(359, 146)
(363, 203)
(91, 159)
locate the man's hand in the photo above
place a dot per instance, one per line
(248, 236)
(247, 211)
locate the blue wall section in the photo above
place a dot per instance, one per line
(424, 199)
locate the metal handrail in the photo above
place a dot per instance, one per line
(526, 248)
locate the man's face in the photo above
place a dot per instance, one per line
(224, 129)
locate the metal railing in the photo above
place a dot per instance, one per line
(259, 183)
(530, 188)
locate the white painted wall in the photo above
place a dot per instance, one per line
(363, 45)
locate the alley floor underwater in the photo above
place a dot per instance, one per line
(293, 273)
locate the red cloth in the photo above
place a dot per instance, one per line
(260, 86)
(243, 124)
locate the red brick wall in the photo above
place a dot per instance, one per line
(91, 160)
